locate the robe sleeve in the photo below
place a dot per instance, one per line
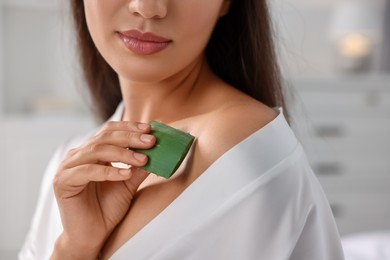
(319, 238)
(46, 225)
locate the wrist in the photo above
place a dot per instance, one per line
(66, 248)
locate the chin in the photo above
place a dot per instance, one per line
(146, 73)
(145, 76)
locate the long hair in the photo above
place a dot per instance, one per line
(241, 52)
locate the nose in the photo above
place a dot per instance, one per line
(148, 9)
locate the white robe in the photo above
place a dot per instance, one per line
(259, 200)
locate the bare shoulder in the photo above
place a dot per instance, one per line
(237, 121)
(231, 124)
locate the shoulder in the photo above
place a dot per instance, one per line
(237, 120)
(233, 122)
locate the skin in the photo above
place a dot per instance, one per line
(101, 206)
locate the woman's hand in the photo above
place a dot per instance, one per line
(92, 195)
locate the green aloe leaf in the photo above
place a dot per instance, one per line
(172, 146)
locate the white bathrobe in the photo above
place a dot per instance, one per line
(259, 200)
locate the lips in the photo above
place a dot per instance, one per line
(143, 43)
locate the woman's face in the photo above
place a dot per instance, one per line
(151, 40)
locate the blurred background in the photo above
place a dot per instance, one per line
(335, 58)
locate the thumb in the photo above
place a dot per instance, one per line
(137, 177)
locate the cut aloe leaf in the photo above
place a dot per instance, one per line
(172, 146)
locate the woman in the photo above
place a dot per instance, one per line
(245, 191)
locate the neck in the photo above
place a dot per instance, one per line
(170, 100)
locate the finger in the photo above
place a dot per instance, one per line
(126, 126)
(83, 174)
(138, 176)
(104, 154)
(124, 139)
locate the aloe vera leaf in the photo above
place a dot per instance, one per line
(172, 146)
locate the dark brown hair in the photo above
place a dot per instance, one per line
(241, 52)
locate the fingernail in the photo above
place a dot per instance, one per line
(143, 126)
(125, 172)
(140, 156)
(146, 138)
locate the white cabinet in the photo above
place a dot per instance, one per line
(349, 146)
